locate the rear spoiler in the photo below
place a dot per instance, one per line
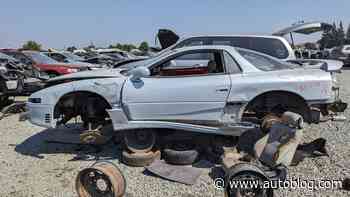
(326, 65)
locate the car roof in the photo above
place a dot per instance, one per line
(30, 51)
(209, 47)
(233, 35)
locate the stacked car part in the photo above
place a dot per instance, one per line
(140, 148)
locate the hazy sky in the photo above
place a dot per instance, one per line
(62, 23)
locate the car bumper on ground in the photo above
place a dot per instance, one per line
(41, 115)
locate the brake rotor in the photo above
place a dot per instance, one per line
(103, 179)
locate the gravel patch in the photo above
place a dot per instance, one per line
(31, 167)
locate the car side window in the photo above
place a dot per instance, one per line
(22, 58)
(231, 65)
(222, 42)
(58, 57)
(193, 63)
(270, 46)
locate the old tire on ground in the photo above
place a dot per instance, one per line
(139, 141)
(140, 159)
(180, 155)
(101, 179)
(245, 172)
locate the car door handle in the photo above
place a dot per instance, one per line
(222, 90)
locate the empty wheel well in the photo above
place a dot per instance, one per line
(278, 102)
(91, 107)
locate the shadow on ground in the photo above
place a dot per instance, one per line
(41, 144)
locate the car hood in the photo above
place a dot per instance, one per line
(100, 73)
(305, 28)
(63, 65)
(86, 64)
(167, 38)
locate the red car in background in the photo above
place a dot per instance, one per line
(44, 63)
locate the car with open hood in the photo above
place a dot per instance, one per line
(208, 89)
(274, 45)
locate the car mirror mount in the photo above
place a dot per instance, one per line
(138, 73)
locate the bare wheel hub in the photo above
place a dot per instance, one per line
(99, 135)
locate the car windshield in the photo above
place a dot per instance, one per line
(265, 62)
(115, 55)
(40, 58)
(73, 57)
(9, 58)
(146, 62)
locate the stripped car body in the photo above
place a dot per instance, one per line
(221, 90)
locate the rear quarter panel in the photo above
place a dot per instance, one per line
(311, 84)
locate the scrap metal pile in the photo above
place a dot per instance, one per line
(261, 154)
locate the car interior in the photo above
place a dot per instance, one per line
(197, 63)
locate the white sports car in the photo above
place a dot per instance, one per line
(209, 89)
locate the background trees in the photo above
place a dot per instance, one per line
(144, 46)
(31, 45)
(335, 36)
(124, 47)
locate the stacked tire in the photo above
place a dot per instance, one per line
(140, 159)
(140, 148)
(181, 154)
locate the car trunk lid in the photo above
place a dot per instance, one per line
(304, 28)
(326, 65)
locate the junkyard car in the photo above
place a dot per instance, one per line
(67, 57)
(44, 63)
(51, 66)
(210, 89)
(275, 46)
(341, 53)
(17, 79)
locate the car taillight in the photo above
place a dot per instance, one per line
(72, 70)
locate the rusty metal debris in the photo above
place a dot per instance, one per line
(101, 179)
(16, 107)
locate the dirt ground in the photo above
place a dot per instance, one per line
(29, 166)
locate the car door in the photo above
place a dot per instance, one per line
(178, 92)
